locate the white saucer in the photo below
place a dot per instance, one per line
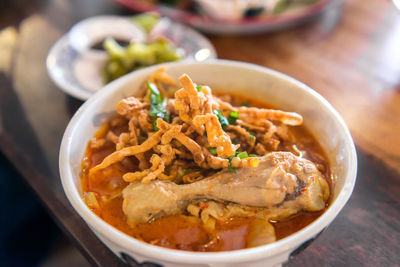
(76, 67)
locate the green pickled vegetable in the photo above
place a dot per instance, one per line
(115, 51)
(122, 60)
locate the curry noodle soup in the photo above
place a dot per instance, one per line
(185, 169)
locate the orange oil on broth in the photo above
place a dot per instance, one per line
(180, 231)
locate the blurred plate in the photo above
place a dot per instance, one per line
(75, 65)
(262, 23)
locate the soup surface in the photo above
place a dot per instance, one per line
(103, 191)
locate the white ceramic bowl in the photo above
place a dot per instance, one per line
(255, 81)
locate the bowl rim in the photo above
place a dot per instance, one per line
(131, 244)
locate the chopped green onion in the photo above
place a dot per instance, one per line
(213, 150)
(253, 156)
(230, 163)
(158, 109)
(221, 118)
(158, 105)
(231, 168)
(152, 88)
(199, 88)
(242, 155)
(251, 137)
(155, 126)
(233, 116)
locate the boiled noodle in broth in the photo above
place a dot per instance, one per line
(191, 169)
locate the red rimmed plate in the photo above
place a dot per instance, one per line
(262, 23)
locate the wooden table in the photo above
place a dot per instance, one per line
(353, 60)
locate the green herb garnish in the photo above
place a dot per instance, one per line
(157, 103)
(242, 155)
(158, 109)
(230, 168)
(199, 88)
(233, 116)
(155, 126)
(251, 135)
(213, 150)
(221, 118)
(153, 89)
(237, 154)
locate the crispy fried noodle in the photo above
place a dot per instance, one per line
(159, 125)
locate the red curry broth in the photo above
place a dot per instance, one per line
(180, 231)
